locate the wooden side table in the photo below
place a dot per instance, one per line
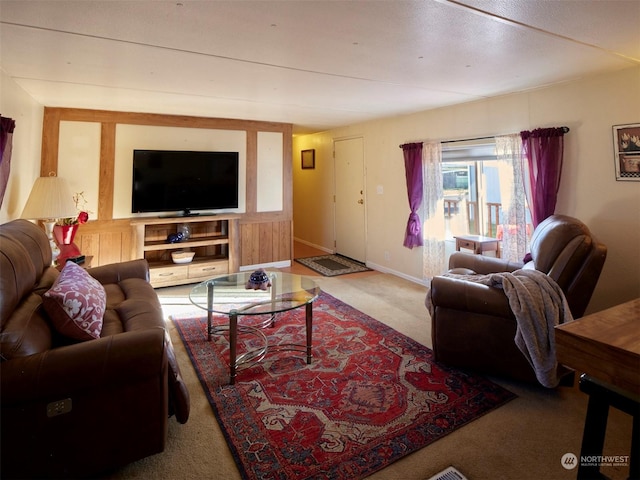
(478, 244)
(606, 347)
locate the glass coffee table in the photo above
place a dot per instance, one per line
(228, 295)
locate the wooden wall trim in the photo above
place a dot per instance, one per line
(50, 142)
(98, 226)
(162, 120)
(107, 171)
(260, 217)
(110, 119)
(251, 200)
(110, 240)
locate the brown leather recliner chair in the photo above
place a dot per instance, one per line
(472, 325)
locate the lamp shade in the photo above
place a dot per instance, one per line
(50, 198)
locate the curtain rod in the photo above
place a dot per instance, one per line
(564, 130)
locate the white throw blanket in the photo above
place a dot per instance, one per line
(539, 305)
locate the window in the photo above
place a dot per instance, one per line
(471, 188)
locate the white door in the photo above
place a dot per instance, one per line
(349, 203)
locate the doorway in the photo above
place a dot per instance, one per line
(350, 226)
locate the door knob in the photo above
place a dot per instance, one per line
(361, 201)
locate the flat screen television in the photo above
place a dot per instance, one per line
(183, 181)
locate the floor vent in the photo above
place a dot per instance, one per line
(449, 474)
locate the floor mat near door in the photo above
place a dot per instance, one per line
(332, 265)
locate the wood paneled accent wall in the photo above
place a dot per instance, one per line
(266, 237)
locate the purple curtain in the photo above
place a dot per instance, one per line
(543, 149)
(6, 134)
(413, 169)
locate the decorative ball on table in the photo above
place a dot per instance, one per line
(175, 237)
(259, 280)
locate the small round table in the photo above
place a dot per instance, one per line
(228, 295)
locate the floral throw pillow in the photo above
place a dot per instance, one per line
(76, 303)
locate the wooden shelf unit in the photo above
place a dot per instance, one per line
(214, 239)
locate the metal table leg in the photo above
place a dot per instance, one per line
(233, 344)
(309, 325)
(210, 286)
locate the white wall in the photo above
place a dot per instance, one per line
(27, 138)
(313, 191)
(589, 191)
(79, 161)
(270, 183)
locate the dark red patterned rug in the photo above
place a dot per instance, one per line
(371, 395)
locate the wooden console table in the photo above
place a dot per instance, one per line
(215, 240)
(478, 244)
(606, 347)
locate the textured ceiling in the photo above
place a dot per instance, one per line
(315, 64)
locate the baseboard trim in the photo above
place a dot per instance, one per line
(282, 264)
(383, 269)
(309, 244)
(371, 265)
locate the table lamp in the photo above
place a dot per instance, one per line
(50, 199)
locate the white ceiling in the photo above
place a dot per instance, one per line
(315, 64)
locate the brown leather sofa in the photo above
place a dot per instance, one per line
(78, 408)
(472, 325)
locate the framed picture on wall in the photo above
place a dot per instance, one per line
(308, 158)
(626, 141)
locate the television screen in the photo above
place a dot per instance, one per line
(168, 180)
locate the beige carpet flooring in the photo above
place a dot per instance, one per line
(525, 439)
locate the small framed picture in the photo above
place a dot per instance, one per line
(626, 144)
(308, 158)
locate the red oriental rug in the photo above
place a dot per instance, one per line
(371, 395)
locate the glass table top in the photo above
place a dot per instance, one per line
(228, 294)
